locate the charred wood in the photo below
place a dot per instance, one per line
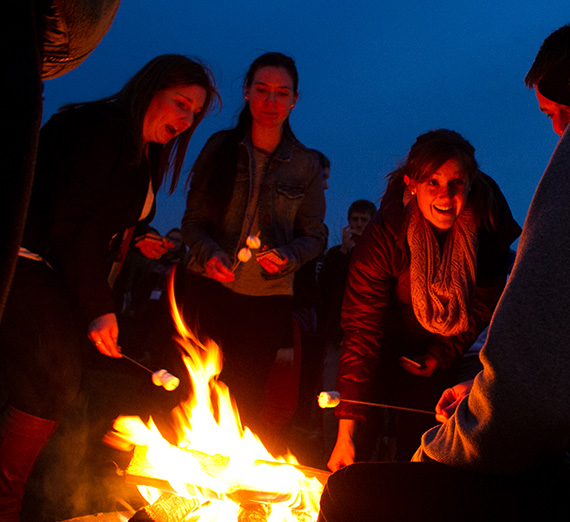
(168, 508)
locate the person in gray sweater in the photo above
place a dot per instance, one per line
(501, 451)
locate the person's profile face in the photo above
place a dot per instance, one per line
(442, 196)
(559, 114)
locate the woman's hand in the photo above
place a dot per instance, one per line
(343, 452)
(153, 247)
(424, 366)
(104, 332)
(450, 398)
(271, 261)
(217, 267)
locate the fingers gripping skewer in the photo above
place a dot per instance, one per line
(331, 399)
(159, 378)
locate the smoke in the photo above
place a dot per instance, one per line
(76, 473)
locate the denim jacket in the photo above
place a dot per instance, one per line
(291, 207)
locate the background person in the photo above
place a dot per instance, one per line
(256, 179)
(99, 166)
(423, 283)
(335, 270)
(332, 281)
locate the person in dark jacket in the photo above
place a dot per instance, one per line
(254, 181)
(99, 165)
(44, 39)
(423, 283)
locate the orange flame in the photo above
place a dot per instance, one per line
(216, 461)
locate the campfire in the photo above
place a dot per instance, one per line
(219, 470)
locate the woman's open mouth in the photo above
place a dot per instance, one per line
(444, 210)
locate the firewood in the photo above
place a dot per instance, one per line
(254, 512)
(168, 508)
(213, 465)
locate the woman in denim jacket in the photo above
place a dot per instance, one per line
(258, 181)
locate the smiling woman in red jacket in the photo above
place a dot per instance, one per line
(423, 283)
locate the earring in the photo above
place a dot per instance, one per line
(246, 98)
(413, 192)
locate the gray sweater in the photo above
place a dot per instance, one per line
(517, 415)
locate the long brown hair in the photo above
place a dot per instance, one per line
(163, 72)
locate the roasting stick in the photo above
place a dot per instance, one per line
(137, 363)
(331, 399)
(159, 378)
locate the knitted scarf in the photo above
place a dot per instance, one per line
(442, 283)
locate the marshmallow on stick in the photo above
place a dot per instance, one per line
(331, 399)
(253, 242)
(244, 255)
(168, 381)
(159, 378)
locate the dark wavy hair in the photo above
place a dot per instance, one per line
(430, 151)
(220, 173)
(163, 72)
(554, 50)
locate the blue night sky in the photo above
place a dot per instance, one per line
(374, 74)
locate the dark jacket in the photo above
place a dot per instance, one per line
(332, 281)
(89, 187)
(291, 207)
(378, 315)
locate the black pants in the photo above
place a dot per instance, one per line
(432, 492)
(249, 330)
(41, 345)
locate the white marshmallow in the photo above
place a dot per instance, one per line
(244, 255)
(329, 399)
(157, 377)
(253, 242)
(168, 381)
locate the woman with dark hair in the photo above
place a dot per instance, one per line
(258, 181)
(423, 283)
(99, 166)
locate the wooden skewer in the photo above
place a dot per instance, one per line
(331, 399)
(137, 363)
(389, 406)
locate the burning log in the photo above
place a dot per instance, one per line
(254, 512)
(255, 505)
(213, 465)
(168, 508)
